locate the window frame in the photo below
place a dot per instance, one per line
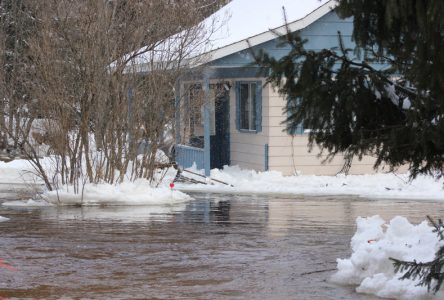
(255, 105)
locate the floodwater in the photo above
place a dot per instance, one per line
(215, 247)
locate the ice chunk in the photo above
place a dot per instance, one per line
(374, 243)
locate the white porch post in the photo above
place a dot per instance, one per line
(207, 124)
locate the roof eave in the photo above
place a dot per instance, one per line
(267, 35)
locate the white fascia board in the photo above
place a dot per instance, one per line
(269, 35)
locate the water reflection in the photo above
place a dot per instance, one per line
(215, 247)
(126, 214)
(221, 211)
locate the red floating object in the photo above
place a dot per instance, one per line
(4, 265)
(171, 185)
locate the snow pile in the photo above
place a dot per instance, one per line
(373, 244)
(3, 219)
(138, 192)
(17, 171)
(388, 186)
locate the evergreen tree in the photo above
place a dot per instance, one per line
(356, 107)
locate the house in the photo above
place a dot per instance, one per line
(226, 115)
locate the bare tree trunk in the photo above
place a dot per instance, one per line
(75, 72)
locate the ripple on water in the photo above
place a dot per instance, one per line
(216, 247)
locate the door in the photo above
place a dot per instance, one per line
(220, 141)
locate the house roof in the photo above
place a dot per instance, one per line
(235, 27)
(252, 20)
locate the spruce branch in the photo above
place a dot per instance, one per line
(430, 274)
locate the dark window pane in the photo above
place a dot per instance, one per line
(244, 106)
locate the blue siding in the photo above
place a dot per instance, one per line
(229, 73)
(332, 17)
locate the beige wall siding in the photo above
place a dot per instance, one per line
(287, 154)
(248, 158)
(275, 111)
(290, 154)
(246, 138)
(248, 166)
(247, 150)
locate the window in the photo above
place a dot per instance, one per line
(294, 104)
(300, 127)
(249, 106)
(195, 109)
(195, 99)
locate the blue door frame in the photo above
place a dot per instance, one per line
(220, 141)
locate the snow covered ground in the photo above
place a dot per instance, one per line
(239, 181)
(388, 186)
(139, 192)
(26, 203)
(373, 244)
(128, 193)
(3, 219)
(17, 172)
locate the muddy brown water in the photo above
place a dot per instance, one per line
(214, 247)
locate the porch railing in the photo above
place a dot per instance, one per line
(187, 155)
